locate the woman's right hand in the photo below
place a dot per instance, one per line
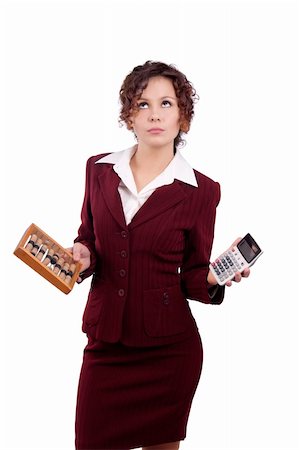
(81, 254)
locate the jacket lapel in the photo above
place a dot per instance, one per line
(109, 181)
(161, 199)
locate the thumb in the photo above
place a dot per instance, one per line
(76, 252)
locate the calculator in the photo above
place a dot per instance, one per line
(241, 256)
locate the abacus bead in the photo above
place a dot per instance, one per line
(48, 258)
(36, 247)
(31, 242)
(64, 270)
(58, 265)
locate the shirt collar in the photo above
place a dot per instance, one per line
(178, 169)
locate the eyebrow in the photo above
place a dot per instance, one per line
(162, 98)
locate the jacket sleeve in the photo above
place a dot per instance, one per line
(199, 240)
(86, 232)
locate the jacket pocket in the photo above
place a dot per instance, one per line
(166, 311)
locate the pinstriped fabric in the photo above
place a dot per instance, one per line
(130, 397)
(144, 273)
(143, 360)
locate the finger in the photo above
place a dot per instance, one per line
(228, 283)
(76, 254)
(246, 273)
(237, 277)
(236, 242)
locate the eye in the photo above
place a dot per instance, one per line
(142, 105)
(166, 104)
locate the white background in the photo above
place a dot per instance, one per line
(64, 64)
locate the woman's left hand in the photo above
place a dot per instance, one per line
(238, 275)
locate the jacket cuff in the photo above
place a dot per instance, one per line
(91, 269)
(216, 294)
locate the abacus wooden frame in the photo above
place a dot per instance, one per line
(46, 272)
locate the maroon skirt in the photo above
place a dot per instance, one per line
(131, 397)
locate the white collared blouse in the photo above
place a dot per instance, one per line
(178, 169)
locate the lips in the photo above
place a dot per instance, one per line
(155, 130)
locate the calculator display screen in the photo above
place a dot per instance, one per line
(248, 249)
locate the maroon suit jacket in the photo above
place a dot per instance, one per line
(144, 273)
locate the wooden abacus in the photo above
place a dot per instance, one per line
(44, 255)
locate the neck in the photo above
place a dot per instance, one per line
(153, 157)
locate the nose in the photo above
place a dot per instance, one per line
(154, 117)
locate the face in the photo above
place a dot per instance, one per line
(157, 121)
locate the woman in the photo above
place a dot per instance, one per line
(146, 237)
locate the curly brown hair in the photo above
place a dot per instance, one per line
(137, 80)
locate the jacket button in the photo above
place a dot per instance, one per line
(122, 273)
(166, 298)
(123, 254)
(124, 234)
(121, 292)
